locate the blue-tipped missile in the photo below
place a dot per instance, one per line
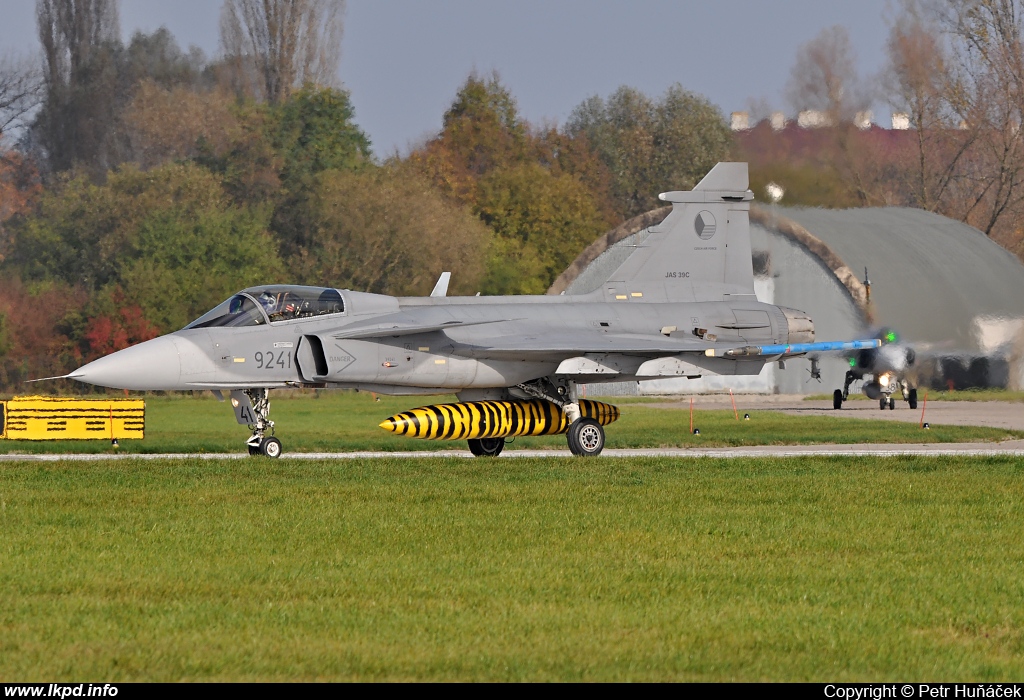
(795, 349)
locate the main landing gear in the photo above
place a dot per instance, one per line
(839, 396)
(257, 416)
(486, 447)
(585, 435)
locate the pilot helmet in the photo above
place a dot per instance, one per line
(235, 306)
(268, 301)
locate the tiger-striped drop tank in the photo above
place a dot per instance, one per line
(492, 419)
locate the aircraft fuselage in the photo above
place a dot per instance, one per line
(322, 350)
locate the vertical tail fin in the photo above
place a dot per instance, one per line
(701, 251)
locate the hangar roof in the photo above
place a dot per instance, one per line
(931, 276)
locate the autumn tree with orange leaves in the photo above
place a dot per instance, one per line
(537, 192)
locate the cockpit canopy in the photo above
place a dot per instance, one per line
(271, 303)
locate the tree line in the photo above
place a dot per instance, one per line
(150, 182)
(147, 183)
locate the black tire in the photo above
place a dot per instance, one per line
(270, 447)
(882, 403)
(892, 404)
(912, 398)
(253, 450)
(837, 399)
(586, 438)
(486, 447)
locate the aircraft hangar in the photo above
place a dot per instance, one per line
(952, 294)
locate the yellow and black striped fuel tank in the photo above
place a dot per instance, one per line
(492, 419)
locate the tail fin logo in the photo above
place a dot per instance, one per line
(705, 225)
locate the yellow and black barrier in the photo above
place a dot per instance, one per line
(492, 419)
(55, 418)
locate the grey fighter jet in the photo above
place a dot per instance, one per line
(681, 305)
(890, 369)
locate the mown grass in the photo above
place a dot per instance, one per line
(345, 421)
(965, 395)
(977, 395)
(545, 569)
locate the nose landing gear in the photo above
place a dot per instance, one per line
(252, 408)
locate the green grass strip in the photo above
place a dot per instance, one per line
(338, 421)
(834, 569)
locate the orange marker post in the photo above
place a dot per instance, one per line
(924, 405)
(734, 411)
(691, 415)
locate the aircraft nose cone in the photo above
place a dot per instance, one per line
(149, 366)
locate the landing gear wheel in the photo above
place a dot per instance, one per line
(892, 404)
(586, 438)
(270, 447)
(258, 412)
(837, 399)
(486, 447)
(882, 403)
(912, 398)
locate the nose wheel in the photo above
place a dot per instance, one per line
(266, 447)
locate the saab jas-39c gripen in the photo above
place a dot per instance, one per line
(681, 305)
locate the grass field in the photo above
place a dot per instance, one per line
(965, 395)
(346, 421)
(544, 569)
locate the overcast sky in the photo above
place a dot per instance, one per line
(403, 60)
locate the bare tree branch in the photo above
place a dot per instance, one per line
(69, 31)
(917, 84)
(824, 77)
(286, 43)
(79, 40)
(20, 91)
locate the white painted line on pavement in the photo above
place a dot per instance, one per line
(945, 450)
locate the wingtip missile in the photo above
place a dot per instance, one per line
(794, 349)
